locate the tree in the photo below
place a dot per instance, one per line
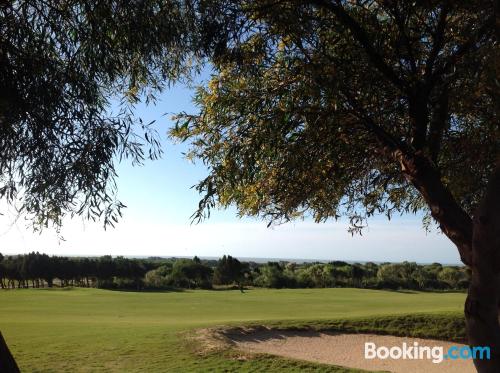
(2, 272)
(272, 276)
(335, 108)
(401, 275)
(389, 276)
(158, 278)
(62, 66)
(451, 275)
(8, 362)
(105, 270)
(229, 270)
(357, 273)
(191, 274)
(47, 269)
(325, 107)
(319, 276)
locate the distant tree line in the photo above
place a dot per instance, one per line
(368, 275)
(40, 270)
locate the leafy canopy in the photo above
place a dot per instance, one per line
(70, 74)
(312, 103)
(322, 107)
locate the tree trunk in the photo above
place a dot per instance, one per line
(454, 222)
(7, 361)
(483, 300)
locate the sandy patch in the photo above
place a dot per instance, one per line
(345, 350)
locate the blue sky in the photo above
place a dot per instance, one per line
(160, 202)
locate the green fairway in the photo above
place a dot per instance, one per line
(99, 330)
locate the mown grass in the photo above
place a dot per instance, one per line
(86, 330)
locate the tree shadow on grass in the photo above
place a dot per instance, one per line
(231, 288)
(402, 291)
(176, 290)
(169, 290)
(263, 334)
(435, 291)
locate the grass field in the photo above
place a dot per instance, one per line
(84, 330)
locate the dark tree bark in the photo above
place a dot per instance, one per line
(7, 362)
(478, 242)
(481, 307)
(478, 239)
(483, 301)
(455, 223)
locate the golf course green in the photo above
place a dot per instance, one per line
(87, 330)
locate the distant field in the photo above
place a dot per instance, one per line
(86, 330)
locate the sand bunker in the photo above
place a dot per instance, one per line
(345, 350)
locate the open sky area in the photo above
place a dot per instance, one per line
(160, 202)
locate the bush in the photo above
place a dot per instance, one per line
(158, 278)
(191, 274)
(272, 276)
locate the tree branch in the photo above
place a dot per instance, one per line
(454, 222)
(419, 116)
(469, 46)
(385, 138)
(438, 42)
(400, 22)
(438, 124)
(362, 37)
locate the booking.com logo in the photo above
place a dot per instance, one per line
(416, 352)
